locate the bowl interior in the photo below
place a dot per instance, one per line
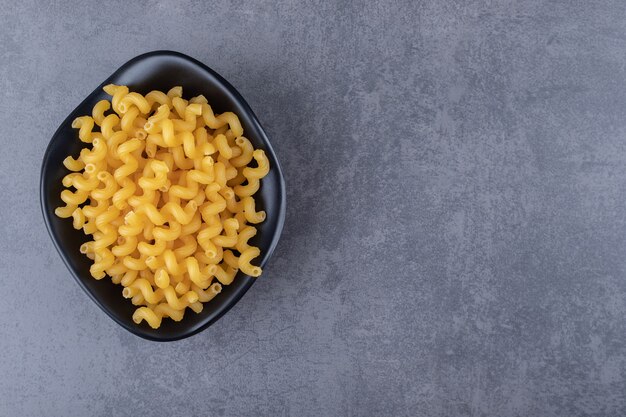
(160, 70)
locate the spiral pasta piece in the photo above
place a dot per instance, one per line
(142, 286)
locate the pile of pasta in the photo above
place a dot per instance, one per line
(166, 192)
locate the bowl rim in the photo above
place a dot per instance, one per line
(46, 210)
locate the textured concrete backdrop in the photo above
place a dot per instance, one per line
(455, 242)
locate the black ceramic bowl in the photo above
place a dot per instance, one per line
(160, 70)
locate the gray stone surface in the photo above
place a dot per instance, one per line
(456, 232)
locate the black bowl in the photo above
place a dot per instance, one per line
(160, 70)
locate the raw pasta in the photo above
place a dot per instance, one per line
(166, 192)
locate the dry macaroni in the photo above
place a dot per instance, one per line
(166, 192)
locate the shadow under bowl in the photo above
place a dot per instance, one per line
(160, 70)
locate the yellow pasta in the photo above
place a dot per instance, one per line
(134, 99)
(208, 294)
(108, 125)
(73, 164)
(79, 219)
(85, 124)
(162, 278)
(165, 189)
(250, 213)
(158, 97)
(149, 315)
(225, 275)
(245, 234)
(125, 246)
(244, 261)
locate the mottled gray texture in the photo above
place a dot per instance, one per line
(455, 242)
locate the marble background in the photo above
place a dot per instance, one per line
(456, 231)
